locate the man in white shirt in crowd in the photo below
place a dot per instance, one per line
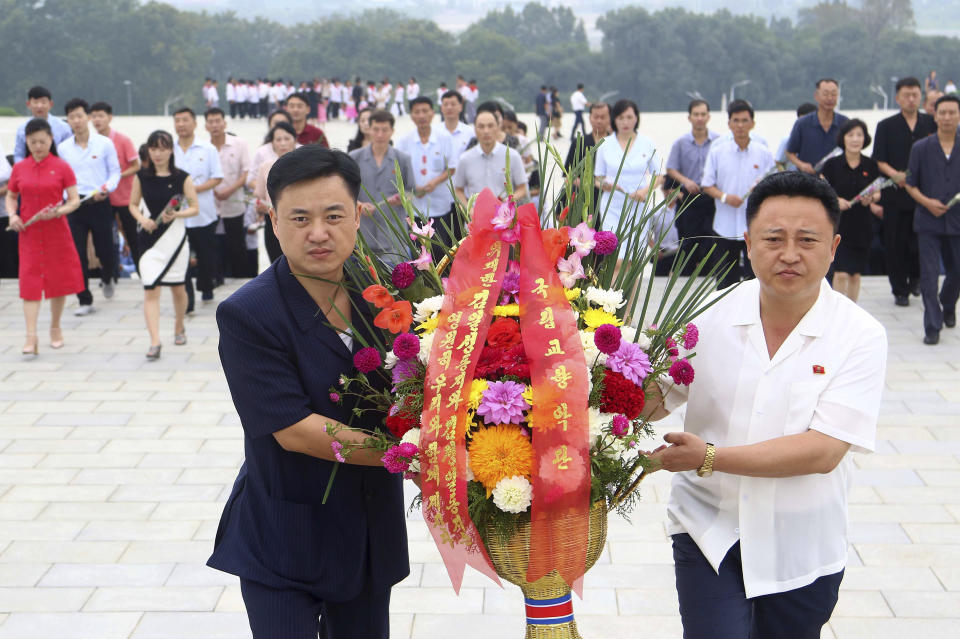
(336, 98)
(441, 90)
(451, 106)
(397, 107)
(789, 380)
(94, 161)
(578, 102)
(202, 161)
(277, 95)
(228, 195)
(732, 168)
(413, 90)
(484, 166)
(431, 154)
(39, 102)
(205, 91)
(253, 99)
(214, 93)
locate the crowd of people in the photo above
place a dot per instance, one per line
(189, 210)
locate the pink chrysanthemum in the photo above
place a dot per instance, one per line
(503, 403)
(367, 359)
(690, 336)
(406, 345)
(620, 426)
(672, 349)
(605, 242)
(335, 397)
(337, 447)
(403, 275)
(397, 458)
(607, 338)
(630, 361)
(682, 372)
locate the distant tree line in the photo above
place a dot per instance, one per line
(90, 48)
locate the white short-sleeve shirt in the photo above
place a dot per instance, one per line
(827, 376)
(735, 171)
(641, 163)
(430, 160)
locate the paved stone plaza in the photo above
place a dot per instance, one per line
(113, 472)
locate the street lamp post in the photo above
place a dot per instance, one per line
(893, 81)
(733, 87)
(129, 97)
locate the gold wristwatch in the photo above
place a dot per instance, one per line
(707, 469)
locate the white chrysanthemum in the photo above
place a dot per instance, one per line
(412, 436)
(610, 300)
(597, 421)
(590, 351)
(513, 494)
(390, 360)
(427, 308)
(426, 343)
(628, 333)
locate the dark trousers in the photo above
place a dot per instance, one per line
(94, 218)
(577, 121)
(933, 247)
(203, 244)
(9, 251)
(295, 614)
(235, 247)
(448, 233)
(263, 108)
(333, 110)
(733, 251)
(695, 228)
(900, 245)
(129, 226)
(715, 606)
(233, 109)
(544, 123)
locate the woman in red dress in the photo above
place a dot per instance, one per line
(49, 265)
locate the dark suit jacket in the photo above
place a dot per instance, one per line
(280, 361)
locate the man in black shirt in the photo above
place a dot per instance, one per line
(891, 149)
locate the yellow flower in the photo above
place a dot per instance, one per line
(507, 310)
(500, 451)
(596, 317)
(528, 394)
(572, 294)
(476, 393)
(429, 325)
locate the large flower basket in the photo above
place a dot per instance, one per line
(548, 600)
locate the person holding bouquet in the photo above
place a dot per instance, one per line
(312, 557)
(162, 188)
(849, 174)
(789, 380)
(49, 264)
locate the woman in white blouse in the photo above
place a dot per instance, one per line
(641, 162)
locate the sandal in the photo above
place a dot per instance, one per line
(27, 348)
(154, 352)
(56, 342)
(180, 339)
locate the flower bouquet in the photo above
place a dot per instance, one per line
(875, 187)
(520, 383)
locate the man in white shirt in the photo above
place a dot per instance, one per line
(277, 95)
(413, 89)
(228, 195)
(732, 168)
(336, 98)
(263, 95)
(789, 380)
(484, 166)
(93, 159)
(578, 102)
(451, 106)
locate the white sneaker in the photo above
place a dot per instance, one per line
(108, 290)
(84, 310)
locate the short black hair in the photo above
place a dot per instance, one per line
(599, 105)
(739, 106)
(309, 163)
(697, 102)
(421, 99)
(509, 116)
(101, 106)
(946, 98)
(382, 115)
(214, 111)
(794, 184)
(850, 125)
(282, 112)
(805, 108)
(522, 126)
(491, 106)
(579, 85)
(303, 97)
(282, 126)
(822, 80)
(37, 92)
(622, 105)
(452, 94)
(35, 126)
(185, 110)
(76, 103)
(907, 82)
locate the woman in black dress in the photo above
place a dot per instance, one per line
(168, 195)
(849, 174)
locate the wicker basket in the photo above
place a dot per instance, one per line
(510, 558)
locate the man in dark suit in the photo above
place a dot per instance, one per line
(306, 567)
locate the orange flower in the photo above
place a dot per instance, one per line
(500, 451)
(378, 295)
(396, 317)
(555, 243)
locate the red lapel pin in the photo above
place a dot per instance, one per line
(818, 370)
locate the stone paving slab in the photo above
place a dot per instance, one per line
(113, 472)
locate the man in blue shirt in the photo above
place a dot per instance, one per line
(93, 159)
(541, 107)
(814, 136)
(39, 101)
(934, 181)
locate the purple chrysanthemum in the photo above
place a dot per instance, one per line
(337, 447)
(403, 275)
(607, 338)
(510, 287)
(367, 359)
(404, 370)
(682, 372)
(620, 426)
(335, 397)
(630, 361)
(690, 336)
(605, 242)
(503, 403)
(406, 345)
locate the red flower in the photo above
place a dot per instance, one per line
(488, 364)
(399, 424)
(620, 395)
(504, 333)
(378, 296)
(515, 362)
(396, 318)
(555, 243)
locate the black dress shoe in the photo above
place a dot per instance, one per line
(950, 318)
(901, 300)
(915, 289)
(931, 338)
